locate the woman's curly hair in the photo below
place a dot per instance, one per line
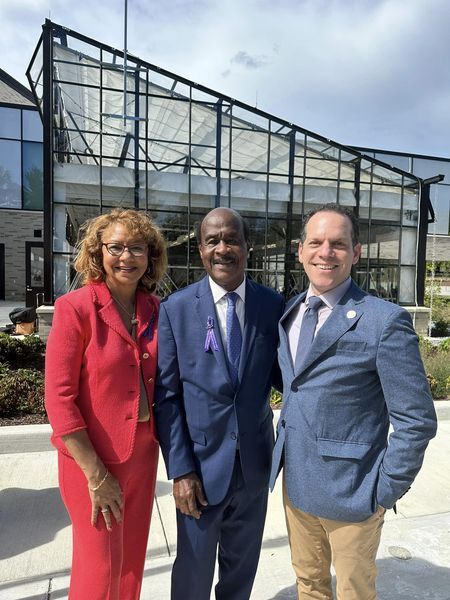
(89, 259)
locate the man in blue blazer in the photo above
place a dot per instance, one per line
(351, 368)
(216, 362)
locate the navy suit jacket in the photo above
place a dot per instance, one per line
(362, 374)
(199, 415)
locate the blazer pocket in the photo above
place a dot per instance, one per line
(349, 346)
(342, 449)
(197, 436)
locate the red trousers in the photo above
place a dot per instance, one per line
(110, 566)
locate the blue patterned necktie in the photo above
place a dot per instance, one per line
(234, 337)
(306, 336)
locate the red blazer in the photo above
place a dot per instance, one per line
(92, 369)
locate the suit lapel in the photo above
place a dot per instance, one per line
(252, 312)
(285, 322)
(204, 307)
(345, 314)
(108, 313)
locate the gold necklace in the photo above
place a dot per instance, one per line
(132, 317)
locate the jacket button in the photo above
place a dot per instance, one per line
(145, 355)
(150, 380)
(233, 436)
(283, 423)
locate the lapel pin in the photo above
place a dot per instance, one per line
(351, 314)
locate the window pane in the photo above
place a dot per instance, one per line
(32, 126)
(10, 179)
(429, 168)
(401, 162)
(407, 285)
(409, 243)
(384, 243)
(10, 122)
(33, 176)
(440, 199)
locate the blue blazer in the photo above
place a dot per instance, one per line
(362, 374)
(199, 415)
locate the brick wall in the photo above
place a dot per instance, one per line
(16, 228)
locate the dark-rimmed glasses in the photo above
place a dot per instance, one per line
(136, 250)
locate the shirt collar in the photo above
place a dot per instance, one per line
(218, 292)
(332, 297)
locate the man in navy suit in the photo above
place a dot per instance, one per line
(351, 367)
(216, 357)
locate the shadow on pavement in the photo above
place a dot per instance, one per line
(414, 579)
(29, 518)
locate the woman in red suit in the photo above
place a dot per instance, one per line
(99, 384)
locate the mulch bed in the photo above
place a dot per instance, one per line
(24, 420)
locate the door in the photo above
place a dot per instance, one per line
(34, 273)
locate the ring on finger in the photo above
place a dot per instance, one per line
(105, 510)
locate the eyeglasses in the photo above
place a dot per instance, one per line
(136, 250)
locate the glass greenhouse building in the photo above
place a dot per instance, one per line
(119, 131)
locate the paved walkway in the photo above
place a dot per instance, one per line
(414, 556)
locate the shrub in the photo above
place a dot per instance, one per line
(437, 366)
(276, 398)
(21, 392)
(22, 353)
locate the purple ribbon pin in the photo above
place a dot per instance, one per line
(210, 336)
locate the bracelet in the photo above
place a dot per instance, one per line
(98, 486)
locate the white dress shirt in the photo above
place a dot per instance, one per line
(220, 302)
(329, 299)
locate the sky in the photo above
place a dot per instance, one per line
(371, 73)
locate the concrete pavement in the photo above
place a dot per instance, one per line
(413, 560)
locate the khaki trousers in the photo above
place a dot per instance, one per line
(351, 548)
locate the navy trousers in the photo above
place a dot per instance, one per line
(233, 530)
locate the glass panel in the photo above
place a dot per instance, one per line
(279, 157)
(384, 243)
(321, 168)
(410, 207)
(32, 126)
(36, 267)
(364, 241)
(249, 149)
(203, 125)
(319, 192)
(10, 176)
(440, 199)
(379, 281)
(409, 246)
(428, 168)
(67, 220)
(36, 71)
(168, 119)
(33, 176)
(77, 184)
(401, 162)
(78, 47)
(386, 202)
(10, 122)
(62, 274)
(407, 285)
